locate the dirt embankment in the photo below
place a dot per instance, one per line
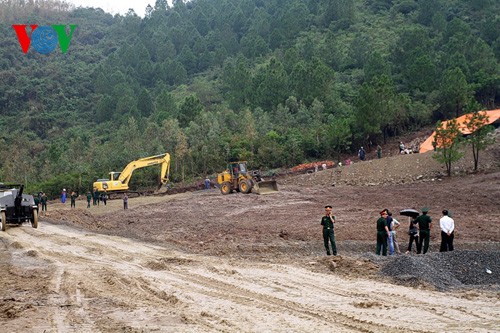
(201, 261)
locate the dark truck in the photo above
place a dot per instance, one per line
(16, 207)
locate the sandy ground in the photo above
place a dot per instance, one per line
(204, 262)
(64, 280)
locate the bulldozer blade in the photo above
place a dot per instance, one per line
(266, 187)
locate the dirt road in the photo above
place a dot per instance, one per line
(204, 262)
(64, 280)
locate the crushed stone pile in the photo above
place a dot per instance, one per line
(445, 270)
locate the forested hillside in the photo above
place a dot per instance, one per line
(274, 82)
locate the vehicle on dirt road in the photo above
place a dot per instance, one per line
(238, 178)
(16, 207)
(118, 181)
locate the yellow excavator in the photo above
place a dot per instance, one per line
(118, 181)
(238, 178)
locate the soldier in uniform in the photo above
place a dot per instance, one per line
(89, 197)
(382, 233)
(424, 226)
(328, 222)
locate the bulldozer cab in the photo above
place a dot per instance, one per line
(237, 169)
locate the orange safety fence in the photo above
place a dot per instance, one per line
(493, 115)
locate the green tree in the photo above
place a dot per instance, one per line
(270, 85)
(165, 107)
(378, 108)
(480, 137)
(455, 92)
(339, 136)
(237, 82)
(189, 110)
(145, 103)
(447, 141)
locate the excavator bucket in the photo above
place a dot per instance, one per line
(266, 187)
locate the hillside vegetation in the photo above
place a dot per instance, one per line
(274, 82)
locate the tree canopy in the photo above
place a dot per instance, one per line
(274, 82)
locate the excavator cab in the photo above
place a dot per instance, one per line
(114, 175)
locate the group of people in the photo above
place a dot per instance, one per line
(41, 200)
(362, 153)
(419, 231)
(95, 196)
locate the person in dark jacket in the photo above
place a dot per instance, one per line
(43, 201)
(73, 197)
(413, 234)
(382, 233)
(125, 201)
(424, 229)
(328, 223)
(362, 154)
(89, 197)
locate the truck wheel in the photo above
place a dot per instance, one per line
(245, 186)
(225, 188)
(34, 219)
(3, 216)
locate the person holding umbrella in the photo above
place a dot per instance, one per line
(412, 229)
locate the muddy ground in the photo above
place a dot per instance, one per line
(200, 261)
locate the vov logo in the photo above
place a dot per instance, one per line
(44, 38)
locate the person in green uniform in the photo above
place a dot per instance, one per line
(379, 151)
(89, 197)
(424, 222)
(328, 222)
(382, 233)
(37, 200)
(96, 197)
(43, 200)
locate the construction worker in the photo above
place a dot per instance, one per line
(424, 226)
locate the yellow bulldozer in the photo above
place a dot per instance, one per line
(238, 178)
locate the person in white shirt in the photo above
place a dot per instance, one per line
(447, 232)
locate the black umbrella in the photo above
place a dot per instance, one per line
(409, 212)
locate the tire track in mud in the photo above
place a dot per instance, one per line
(245, 297)
(209, 293)
(391, 299)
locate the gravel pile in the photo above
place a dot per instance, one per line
(445, 270)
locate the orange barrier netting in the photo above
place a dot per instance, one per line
(493, 115)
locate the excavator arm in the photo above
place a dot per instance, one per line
(163, 159)
(118, 181)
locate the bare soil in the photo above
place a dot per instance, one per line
(200, 261)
